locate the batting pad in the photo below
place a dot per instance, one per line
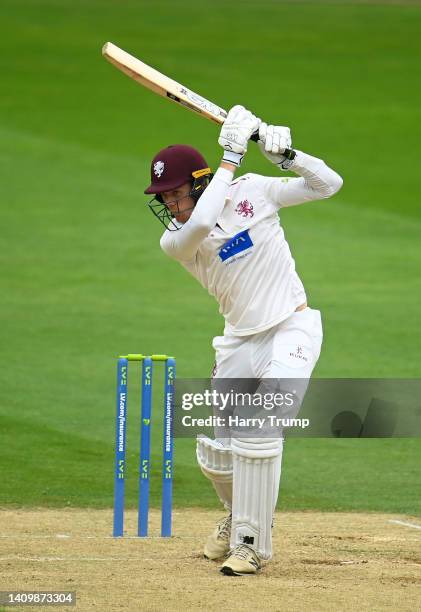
(215, 461)
(256, 475)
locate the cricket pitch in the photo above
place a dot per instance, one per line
(322, 561)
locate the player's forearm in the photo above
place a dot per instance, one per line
(212, 201)
(184, 243)
(231, 167)
(316, 181)
(319, 178)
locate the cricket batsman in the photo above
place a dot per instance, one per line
(226, 232)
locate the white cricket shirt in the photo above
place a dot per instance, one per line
(235, 246)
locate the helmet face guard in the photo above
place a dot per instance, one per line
(202, 178)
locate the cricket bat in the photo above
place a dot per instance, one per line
(163, 85)
(168, 88)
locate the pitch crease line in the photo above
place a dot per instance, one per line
(405, 524)
(73, 559)
(84, 537)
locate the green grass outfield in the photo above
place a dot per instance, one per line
(82, 275)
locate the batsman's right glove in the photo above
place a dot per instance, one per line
(273, 141)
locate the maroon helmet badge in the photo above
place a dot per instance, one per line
(158, 168)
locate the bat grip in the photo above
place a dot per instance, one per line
(255, 136)
(289, 153)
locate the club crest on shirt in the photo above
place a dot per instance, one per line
(245, 209)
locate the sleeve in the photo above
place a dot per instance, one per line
(184, 243)
(316, 182)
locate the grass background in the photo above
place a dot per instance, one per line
(82, 275)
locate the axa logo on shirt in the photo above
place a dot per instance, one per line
(240, 242)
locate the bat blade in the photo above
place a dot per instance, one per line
(162, 85)
(168, 88)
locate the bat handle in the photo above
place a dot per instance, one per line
(255, 136)
(289, 153)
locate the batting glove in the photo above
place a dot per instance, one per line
(273, 140)
(235, 134)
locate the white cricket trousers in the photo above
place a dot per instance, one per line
(288, 350)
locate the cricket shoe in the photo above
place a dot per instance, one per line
(218, 543)
(241, 562)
